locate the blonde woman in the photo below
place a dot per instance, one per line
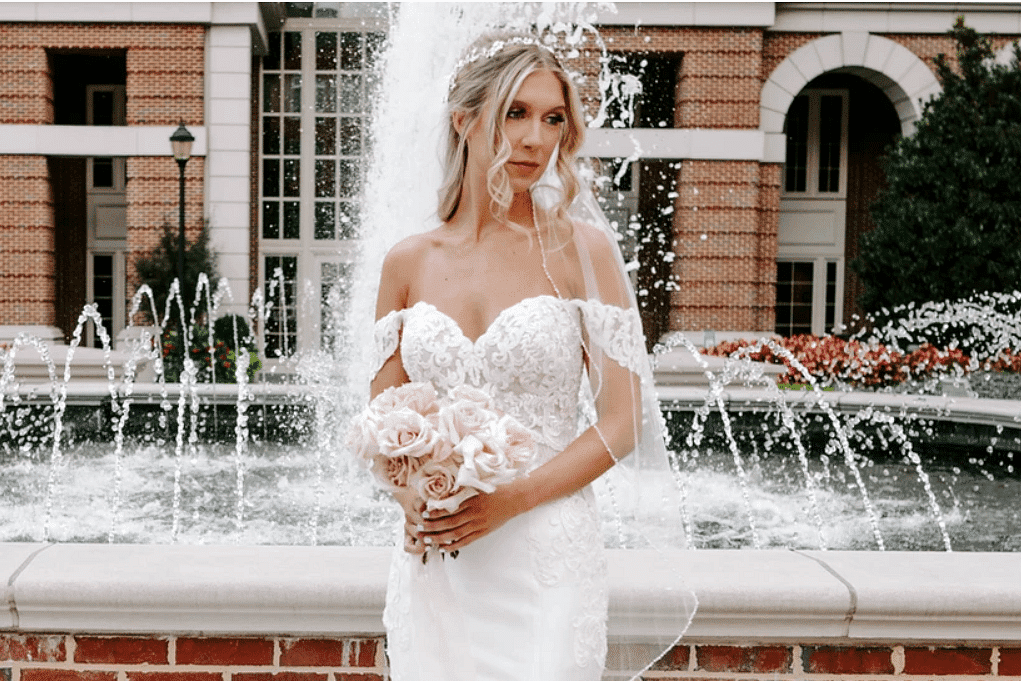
(521, 294)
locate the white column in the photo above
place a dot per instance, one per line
(228, 161)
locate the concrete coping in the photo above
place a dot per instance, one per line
(293, 590)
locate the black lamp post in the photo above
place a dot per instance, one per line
(180, 142)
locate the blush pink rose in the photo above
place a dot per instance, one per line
(467, 393)
(436, 484)
(419, 397)
(519, 441)
(458, 419)
(395, 472)
(361, 438)
(405, 432)
(485, 461)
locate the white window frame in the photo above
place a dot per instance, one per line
(310, 252)
(819, 292)
(812, 161)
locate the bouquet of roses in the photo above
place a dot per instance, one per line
(444, 449)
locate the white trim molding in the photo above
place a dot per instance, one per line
(675, 143)
(1003, 18)
(94, 140)
(761, 14)
(898, 72)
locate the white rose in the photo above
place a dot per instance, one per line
(405, 432)
(485, 461)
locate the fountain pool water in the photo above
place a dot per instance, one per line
(128, 460)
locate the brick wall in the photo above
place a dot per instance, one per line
(84, 657)
(26, 242)
(720, 71)
(165, 72)
(164, 69)
(724, 226)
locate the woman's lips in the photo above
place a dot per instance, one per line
(524, 166)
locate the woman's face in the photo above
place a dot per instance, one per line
(533, 127)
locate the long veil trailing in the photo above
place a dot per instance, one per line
(639, 497)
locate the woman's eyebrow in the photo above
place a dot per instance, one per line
(519, 103)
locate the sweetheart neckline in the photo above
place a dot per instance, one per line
(496, 319)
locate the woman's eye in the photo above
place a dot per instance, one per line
(516, 113)
(555, 119)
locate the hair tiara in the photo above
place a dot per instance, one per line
(491, 50)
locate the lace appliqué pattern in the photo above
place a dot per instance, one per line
(386, 336)
(568, 546)
(616, 331)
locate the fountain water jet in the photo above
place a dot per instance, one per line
(398, 203)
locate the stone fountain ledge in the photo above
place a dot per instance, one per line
(1006, 413)
(771, 595)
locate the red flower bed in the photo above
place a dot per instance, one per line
(830, 359)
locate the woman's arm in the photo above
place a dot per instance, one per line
(393, 295)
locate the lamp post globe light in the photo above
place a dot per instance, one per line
(181, 142)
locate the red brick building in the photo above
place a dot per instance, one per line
(756, 148)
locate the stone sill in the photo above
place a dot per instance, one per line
(771, 595)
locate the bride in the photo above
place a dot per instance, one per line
(520, 292)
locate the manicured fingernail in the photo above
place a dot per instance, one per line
(428, 540)
(425, 514)
(420, 527)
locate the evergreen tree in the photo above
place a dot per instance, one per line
(949, 223)
(159, 269)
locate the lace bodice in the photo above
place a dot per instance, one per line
(530, 358)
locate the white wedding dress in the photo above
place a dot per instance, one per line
(527, 602)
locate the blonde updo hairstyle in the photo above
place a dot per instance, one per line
(484, 89)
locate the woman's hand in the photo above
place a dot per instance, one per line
(476, 517)
(413, 507)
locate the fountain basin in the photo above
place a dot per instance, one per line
(778, 609)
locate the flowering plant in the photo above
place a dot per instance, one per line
(444, 449)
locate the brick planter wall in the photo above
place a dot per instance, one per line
(82, 657)
(85, 657)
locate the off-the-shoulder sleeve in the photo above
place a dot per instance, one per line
(616, 331)
(386, 336)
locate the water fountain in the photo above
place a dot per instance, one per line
(735, 433)
(108, 488)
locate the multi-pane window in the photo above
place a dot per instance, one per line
(103, 292)
(341, 108)
(317, 83)
(794, 297)
(334, 288)
(796, 304)
(281, 336)
(831, 295)
(281, 137)
(816, 129)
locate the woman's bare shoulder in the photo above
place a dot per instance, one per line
(401, 268)
(405, 256)
(596, 241)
